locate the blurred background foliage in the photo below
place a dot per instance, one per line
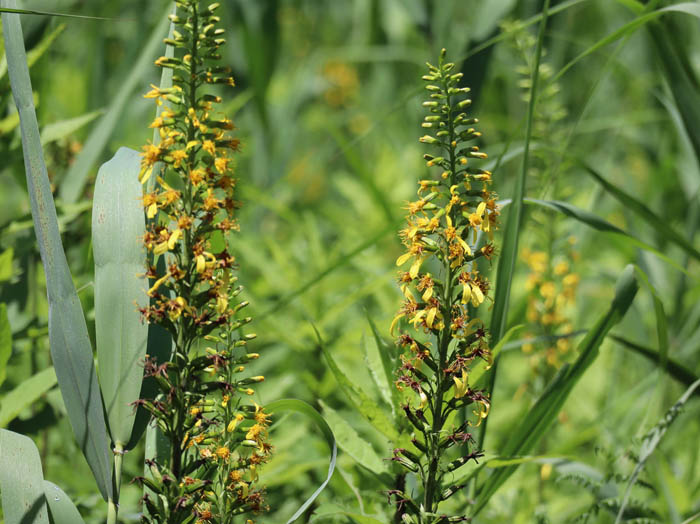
(328, 106)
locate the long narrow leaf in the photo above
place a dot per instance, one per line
(306, 409)
(5, 342)
(543, 413)
(61, 507)
(651, 441)
(25, 394)
(118, 226)
(77, 175)
(68, 336)
(21, 479)
(643, 212)
(674, 368)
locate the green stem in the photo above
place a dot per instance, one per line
(113, 503)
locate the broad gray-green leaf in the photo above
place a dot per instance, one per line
(68, 336)
(118, 226)
(21, 480)
(25, 394)
(5, 342)
(61, 507)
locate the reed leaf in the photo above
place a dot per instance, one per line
(674, 368)
(118, 227)
(68, 336)
(21, 479)
(61, 507)
(545, 410)
(302, 407)
(77, 176)
(642, 211)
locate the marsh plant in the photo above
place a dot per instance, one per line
(216, 441)
(448, 229)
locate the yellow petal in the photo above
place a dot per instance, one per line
(477, 295)
(402, 259)
(466, 293)
(430, 317)
(393, 322)
(415, 267)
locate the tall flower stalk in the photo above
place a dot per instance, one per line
(448, 229)
(216, 441)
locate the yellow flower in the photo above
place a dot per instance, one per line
(461, 384)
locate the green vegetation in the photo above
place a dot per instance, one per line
(545, 357)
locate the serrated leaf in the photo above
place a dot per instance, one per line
(68, 336)
(21, 480)
(367, 407)
(61, 507)
(381, 366)
(352, 444)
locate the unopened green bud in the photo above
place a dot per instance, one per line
(427, 139)
(430, 104)
(213, 7)
(464, 103)
(249, 443)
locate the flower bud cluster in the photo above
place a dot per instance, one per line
(449, 227)
(217, 442)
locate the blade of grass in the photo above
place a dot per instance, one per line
(70, 344)
(25, 394)
(76, 178)
(388, 366)
(674, 368)
(118, 227)
(514, 222)
(686, 8)
(308, 410)
(643, 212)
(545, 410)
(51, 13)
(651, 441)
(660, 313)
(5, 342)
(57, 130)
(21, 479)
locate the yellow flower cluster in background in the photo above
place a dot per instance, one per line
(551, 286)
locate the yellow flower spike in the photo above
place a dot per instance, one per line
(461, 384)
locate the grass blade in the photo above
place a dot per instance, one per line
(77, 176)
(25, 394)
(61, 507)
(308, 410)
(21, 478)
(543, 413)
(651, 441)
(643, 212)
(674, 368)
(381, 357)
(68, 335)
(51, 13)
(118, 226)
